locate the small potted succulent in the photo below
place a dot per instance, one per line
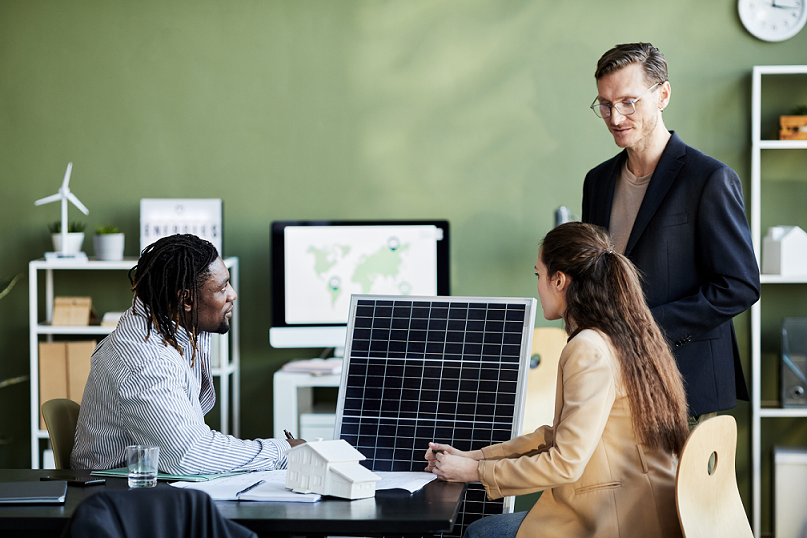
(75, 237)
(108, 243)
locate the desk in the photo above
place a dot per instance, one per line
(431, 510)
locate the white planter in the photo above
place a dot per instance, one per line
(74, 242)
(108, 247)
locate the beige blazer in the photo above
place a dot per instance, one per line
(597, 480)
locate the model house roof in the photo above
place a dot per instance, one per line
(334, 451)
(354, 472)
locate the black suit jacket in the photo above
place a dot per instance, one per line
(161, 512)
(692, 244)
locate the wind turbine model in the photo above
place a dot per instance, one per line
(64, 195)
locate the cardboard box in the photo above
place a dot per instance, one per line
(69, 311)
(63, 371)
(793, 127)
(52, 374)
(78, 368)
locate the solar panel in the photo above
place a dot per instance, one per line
(446, 369)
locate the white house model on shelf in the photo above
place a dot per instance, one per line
(784, 251)
(329, 468)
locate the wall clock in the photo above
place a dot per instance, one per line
(773, 20)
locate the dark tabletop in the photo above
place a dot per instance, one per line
(431, 510)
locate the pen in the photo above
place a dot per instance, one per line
(288, 435)
(255, 485)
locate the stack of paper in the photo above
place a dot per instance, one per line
(271, 486)
(315, 366)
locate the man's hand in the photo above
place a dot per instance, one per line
(452, 465)
(295, 442)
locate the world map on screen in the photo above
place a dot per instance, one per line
(325, 265)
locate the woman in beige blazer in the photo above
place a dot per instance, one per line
(607, 464)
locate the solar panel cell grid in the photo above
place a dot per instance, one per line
(433, 370)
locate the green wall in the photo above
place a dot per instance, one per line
(474, 111)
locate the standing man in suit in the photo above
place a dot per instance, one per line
(679, 216)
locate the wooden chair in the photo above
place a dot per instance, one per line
(547, 343)
(709, 504)
(61, 416)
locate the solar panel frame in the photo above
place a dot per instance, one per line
(433, 368)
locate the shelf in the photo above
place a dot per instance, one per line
(781, 412)
(44, 328)
(762, 409)
(779, 279)
(783, 144)
(91, 264)
(780, 69)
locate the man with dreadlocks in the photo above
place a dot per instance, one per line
(150, 379)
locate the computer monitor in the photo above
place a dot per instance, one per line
(317, 265)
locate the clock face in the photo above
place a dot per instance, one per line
(773, 20)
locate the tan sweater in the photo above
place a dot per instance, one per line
(596, 477)
(628, 195)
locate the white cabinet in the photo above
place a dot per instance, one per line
(225, 352)
(758, 412)
(294, 396)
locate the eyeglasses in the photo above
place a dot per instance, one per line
(626, 108)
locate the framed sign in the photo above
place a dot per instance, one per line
(161, 217)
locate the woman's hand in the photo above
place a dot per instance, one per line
(452, 465)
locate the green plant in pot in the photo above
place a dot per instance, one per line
(75, 236)
(108, 243)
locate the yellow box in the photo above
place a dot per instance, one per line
(63, 371)
(78, 368)
(52, 374)
(793, 127)
(69, 311)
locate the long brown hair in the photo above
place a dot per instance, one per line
(605, 294)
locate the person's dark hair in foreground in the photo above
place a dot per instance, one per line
(168, 275)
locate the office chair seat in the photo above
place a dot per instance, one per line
(547, 345)
(61, 416)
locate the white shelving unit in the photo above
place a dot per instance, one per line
(294, 396)
(225, 352)
(757, 411)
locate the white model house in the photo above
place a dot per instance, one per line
(329, 468)
(784, 251)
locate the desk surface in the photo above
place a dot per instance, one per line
(431, 510)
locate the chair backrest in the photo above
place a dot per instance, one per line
(61, 416)
(709, 504)
(547, 344)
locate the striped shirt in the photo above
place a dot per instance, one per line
(142, 391)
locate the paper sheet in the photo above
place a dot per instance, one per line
(410, 481)
(274, 486)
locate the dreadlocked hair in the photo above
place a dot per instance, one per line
(605, 293)
(169, 274)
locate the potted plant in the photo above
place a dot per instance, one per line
(108, 243)
(75, 237)
(794, 126)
